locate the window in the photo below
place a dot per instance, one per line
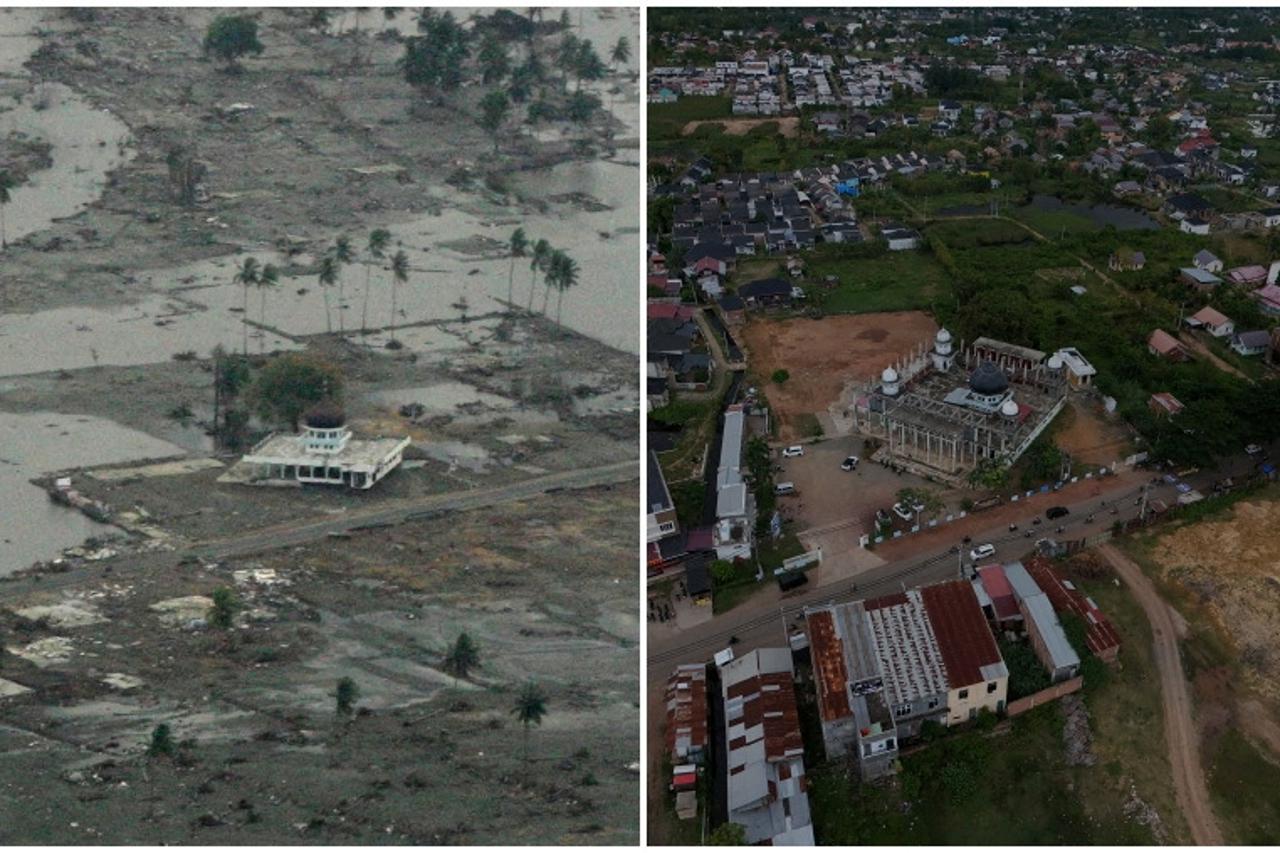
(991, 687)
(933, 703)
(964, 694)
(667, 526)
(891, 743)
(902, 710)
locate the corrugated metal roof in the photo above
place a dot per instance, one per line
(968, 649)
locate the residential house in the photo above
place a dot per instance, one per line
(1207, 261)
(1126, 259)
(1268, 298)
(733, 311)
(1101, 637)
(1202, 280)
(1194, 224)
(1044, 630)
(687, 716)
(766, 292)
(1252, 275)
(661, 509)
(1251, 343)
(1212, 321)
(900, 238)
(766, 782)
(1183, 205)
(1165, 345)
(1080, 371)
(735, 505)
(1164, 404)
(1271, 217)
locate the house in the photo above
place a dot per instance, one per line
(1048, 639)
(657, 387)
(1271, 217)
(764, 292)
(659, 506)
(1194, 224)
(732, 309)
(872, 693)
(735, 505)
(1080, 372)
(1251, 343)
(1207, 261)
(949, 110)
(1252, 275)
(900, 238)
(687, 716)
(1268, 297)
(764, 749)
(1124, 188)
(324, 453)
(1165, 345)
(1212, 321)
(1164, 404)
(1126, 259)
(1202, 280)
(1101, 637)
(1182, 205)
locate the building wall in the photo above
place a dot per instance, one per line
(1057, 691)
(963, 709)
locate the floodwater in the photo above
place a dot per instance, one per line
(33, 444)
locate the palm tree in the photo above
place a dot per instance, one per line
(269, 277)
(541, 252)
(399, 274)
(566, 277)
(7, 183)
(462, 657)
(530, 707)
(621, 52)
(246, 275)
(343, 254)
(519, 243)
(550, 276)
(379, 239)
(327, 275)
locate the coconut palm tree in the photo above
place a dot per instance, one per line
(246, 276)
(327, 275)
(399, 275)
(7, 183)
(621, 52)
(529, 708)
(379, 239)
(550, 276)
(343, 254)
(519, 243)
(269, 277)
(566, 277)
(541, 252)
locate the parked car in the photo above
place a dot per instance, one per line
(1253, 449)
(1056, 512)
(849, 463)
(903, 511)
(793, 450)
(882, 517)
(982, 552)
(784, 489)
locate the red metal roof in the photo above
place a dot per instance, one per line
(686, 709)
(1101, 636)
(964, 640)
(996, 583)
(827, 654)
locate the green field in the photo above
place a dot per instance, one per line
(667, 121)
(1244, 786)
(895, 281)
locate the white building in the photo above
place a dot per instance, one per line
(325, 453)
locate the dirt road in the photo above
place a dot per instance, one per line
(1180, 730)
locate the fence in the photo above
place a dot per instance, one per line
(1057, 691)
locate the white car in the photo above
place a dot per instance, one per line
(903, 511)
(982, 552)
(849, 463)
(793, 450)
(1253, 450)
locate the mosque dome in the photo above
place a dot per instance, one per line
(943, 336)
(1009, 409)
(988, 380)
(889, 375)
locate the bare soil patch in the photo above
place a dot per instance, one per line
(788, 126)
(1089, 436)
(823, 355)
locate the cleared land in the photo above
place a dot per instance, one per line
(787, 125)
(1089, 436)
(823, 355)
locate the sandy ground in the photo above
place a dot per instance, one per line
(546, 588)
(1233, 568)
(822, 355)
(787, 125)
(1089, 435)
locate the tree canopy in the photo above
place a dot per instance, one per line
(434, 60)
(230, 37)
(292, 383)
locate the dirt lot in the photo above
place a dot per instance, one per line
(822, 355)
(546, 588)
(788, 126)
(1232, 567)
(1089, 435)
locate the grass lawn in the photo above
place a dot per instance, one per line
(1243, 785)
(772, 552)
(896, 281)
(1052, 223)
(668, 120)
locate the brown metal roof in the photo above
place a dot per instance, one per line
(961, 630)
(686, 709)
(1101, 636)
(827, 654)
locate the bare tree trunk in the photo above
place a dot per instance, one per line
(244, 317)
(511, 282)
(395, 291)
(262, 321)
(341, 304)
(533, 283)
(328, 319)
(364, 312)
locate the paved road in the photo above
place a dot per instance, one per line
(1179, 727)
(299, 532)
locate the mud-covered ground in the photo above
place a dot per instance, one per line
(547, 588)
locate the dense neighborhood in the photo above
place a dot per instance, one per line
(955, 319)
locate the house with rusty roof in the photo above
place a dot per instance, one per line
(686, 700)
(884, 666)
(1101, 637)
(1165, 345)
(765, 753)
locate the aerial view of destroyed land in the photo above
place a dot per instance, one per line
(963, 399)
(319, 426)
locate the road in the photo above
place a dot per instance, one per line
(299, 532)
(1179, 727)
